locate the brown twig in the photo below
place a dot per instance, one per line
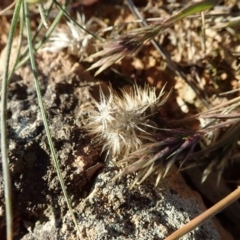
(232, 197)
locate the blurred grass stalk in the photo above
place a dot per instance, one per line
(4, 141)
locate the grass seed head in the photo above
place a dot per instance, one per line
(121, 121)
(71, 37)
(159, 156)
(115, 49)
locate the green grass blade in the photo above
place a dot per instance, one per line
(192, 9)
(74, 21)
(25, 57)
(40, 102)
(19, 45)
(36, 33)
(53, 26)
(4, 142)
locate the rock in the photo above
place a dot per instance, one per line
(113, 211)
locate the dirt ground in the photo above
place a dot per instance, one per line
(207, 62)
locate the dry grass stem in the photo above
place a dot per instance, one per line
(196, 222)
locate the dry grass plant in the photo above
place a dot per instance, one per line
(128, 124)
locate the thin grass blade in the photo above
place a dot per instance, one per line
(40, 102)
(4, 142)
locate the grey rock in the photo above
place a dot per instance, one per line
(114, 211)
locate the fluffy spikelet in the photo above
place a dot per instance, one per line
(121, 121)
(77, 41)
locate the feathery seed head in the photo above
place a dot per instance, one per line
(121, 121)
(77, 41)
